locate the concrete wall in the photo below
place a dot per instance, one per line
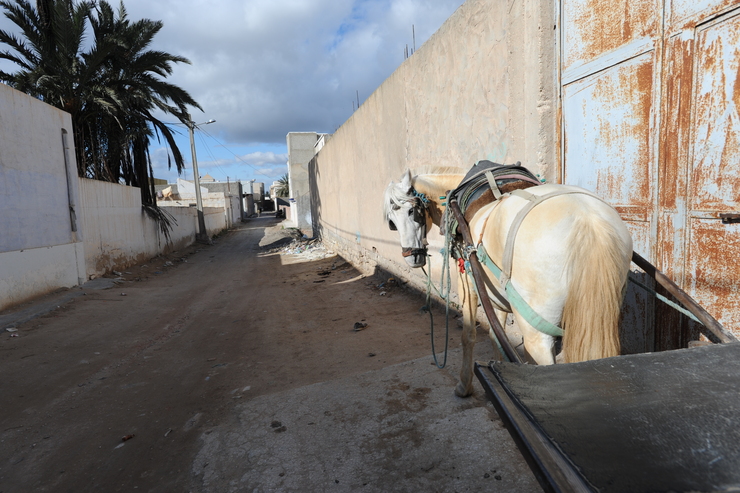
(228, 205)
(301, 149)
(40, 240)
(482, 87)
(119, 233)
(57, 230)
(215, 220)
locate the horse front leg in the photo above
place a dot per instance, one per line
(469, 308)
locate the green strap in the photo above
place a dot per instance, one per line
(516, 300)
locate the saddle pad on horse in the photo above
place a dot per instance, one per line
(477, 180)
(486, 177)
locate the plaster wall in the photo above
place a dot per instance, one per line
(228, 204)
(215, 220)
(40, 236)
(120, 233)
(482, 87)
(301, 149)
(25, 274)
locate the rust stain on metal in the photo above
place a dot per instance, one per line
(715, 180)
(686, 14)
(676, 122)
(715, 275)
(628, 93)
(594, 27)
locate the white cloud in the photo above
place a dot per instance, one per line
(263, 68)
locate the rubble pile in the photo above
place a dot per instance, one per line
(310, 248)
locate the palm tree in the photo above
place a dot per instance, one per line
(283, 186)
(111, 90)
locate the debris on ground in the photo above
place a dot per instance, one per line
(385, 288)
(310, 248)
(359, 326)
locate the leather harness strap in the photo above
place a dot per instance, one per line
(487, 196)
(532, 202)
(504, 274)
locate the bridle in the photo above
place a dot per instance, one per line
(420, 204)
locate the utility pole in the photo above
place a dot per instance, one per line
(202, 233)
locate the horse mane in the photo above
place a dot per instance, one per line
(394, 195)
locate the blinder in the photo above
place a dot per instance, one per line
(418, 215)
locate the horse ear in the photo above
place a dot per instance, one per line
(406, 179)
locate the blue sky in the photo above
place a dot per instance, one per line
(263, 68)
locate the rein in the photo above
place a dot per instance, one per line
(445, 295)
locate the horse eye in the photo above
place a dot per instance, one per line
(411, 212)
(395, 207)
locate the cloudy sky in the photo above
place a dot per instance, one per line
(263, 68)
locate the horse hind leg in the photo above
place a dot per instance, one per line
(540, 346)
(464, 387)
(501, 316)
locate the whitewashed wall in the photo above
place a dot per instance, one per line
(58, 230)
(227, 204)
(215, 220)
(40, 251)
(119, 233)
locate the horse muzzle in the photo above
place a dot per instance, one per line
(416, 257)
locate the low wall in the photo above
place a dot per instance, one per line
(25, 274)
(215, 220)
(234, 211)
(41, 248)
(118, 232)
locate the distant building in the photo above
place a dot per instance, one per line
(302, 147)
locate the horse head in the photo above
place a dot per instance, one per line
(405, 211)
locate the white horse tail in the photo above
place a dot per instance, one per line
(598, 273)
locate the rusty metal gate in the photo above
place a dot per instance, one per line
(650, 96)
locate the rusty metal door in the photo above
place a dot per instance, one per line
(610, 74)
(710, 41)
(649, 95)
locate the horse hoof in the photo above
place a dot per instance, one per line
(461, 391)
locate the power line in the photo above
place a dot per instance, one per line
(238, 158)
(258, 170)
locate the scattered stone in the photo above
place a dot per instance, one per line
(278, 427)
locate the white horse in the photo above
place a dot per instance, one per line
(569, 263)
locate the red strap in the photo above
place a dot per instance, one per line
(461, 265)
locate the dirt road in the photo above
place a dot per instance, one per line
(173, 356)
